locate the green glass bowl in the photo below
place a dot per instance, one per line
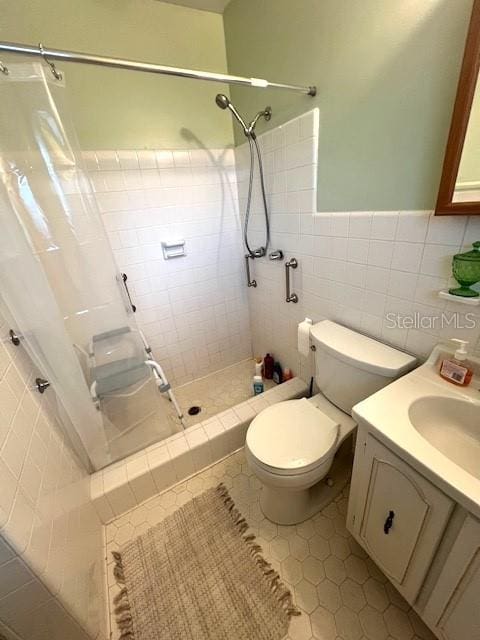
(466, 271)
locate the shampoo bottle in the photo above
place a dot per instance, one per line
(277, 373)
(257, 385)
(268, 363)
(458, 369)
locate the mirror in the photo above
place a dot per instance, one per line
(467, 184)
(459, 191)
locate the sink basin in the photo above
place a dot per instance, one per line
(452, 426)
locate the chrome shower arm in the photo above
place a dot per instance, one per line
(265, 113)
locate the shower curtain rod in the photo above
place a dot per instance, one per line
(132, 65)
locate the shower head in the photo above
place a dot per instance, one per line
(224, 103)
(249, 130)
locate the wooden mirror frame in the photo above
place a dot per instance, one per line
(458, 128)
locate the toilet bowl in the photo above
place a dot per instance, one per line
(292, 446)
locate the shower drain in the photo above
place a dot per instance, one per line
(193, 411)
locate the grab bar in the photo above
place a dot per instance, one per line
(125, 278)
(250, 283)
(291, 264)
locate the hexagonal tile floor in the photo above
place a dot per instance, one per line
(341, 592)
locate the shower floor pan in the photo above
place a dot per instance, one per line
(207, 397)
(216, 392)
(218, 430)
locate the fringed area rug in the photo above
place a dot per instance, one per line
(199, 575)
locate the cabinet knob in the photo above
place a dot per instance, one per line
(388, 522)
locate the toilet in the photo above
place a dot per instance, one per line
(291, 446)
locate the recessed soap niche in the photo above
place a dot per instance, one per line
(173, 249)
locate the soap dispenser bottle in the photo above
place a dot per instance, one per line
(458, 369)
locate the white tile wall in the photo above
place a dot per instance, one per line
(290, 160)
(192, 309)
(354, 267)
(51, 539)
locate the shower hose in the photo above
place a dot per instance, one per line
(252, 141)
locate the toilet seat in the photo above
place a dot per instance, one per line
(291, 437)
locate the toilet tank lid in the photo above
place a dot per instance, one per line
(360, 351)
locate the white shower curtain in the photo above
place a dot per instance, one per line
(58, 278)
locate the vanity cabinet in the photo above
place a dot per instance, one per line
(396, 514)
(453, 608)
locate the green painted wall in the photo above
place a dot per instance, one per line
(122, 109)
(386, 72)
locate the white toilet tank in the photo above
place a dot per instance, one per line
(349, 367)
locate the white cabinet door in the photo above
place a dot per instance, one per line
(399, 517)
(453, 609)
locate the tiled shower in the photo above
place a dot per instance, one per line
(62, 512)
(192, 309)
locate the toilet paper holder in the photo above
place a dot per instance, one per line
(304, 344)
